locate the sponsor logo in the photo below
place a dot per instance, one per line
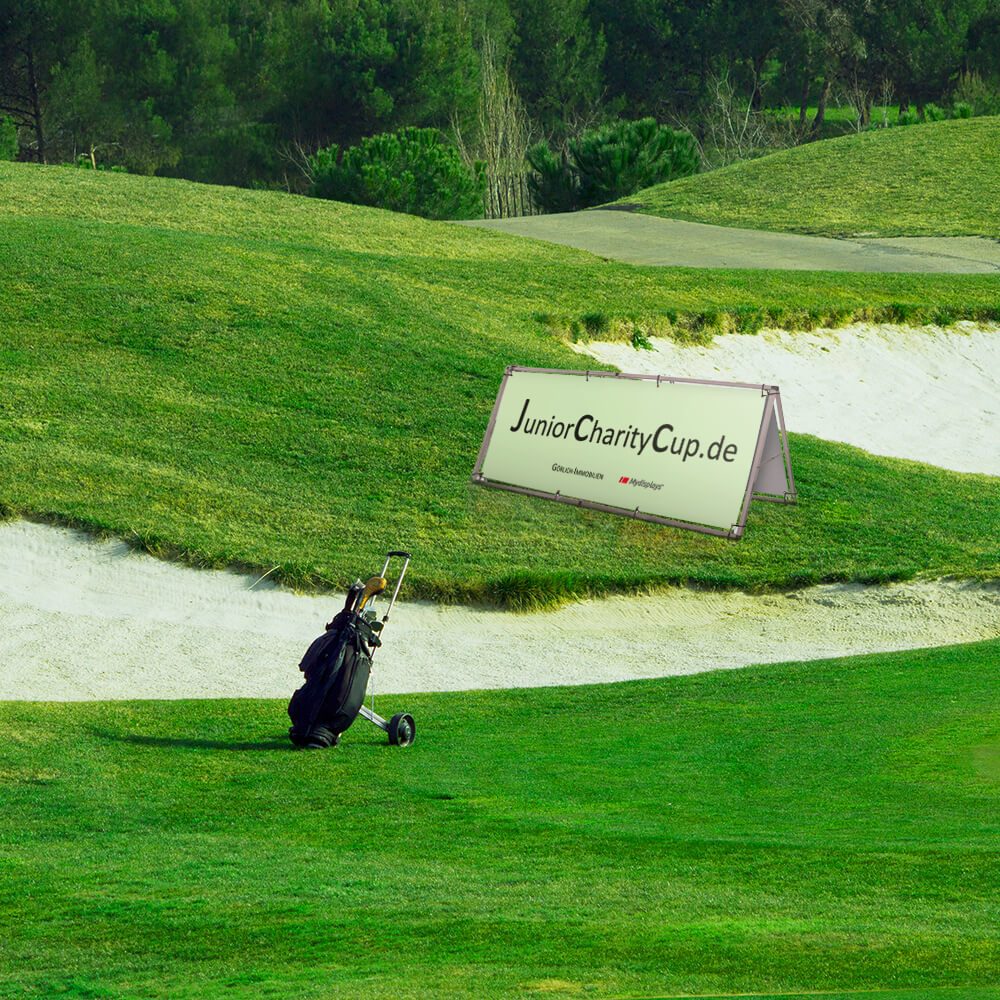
(574, 471)
(643, 484)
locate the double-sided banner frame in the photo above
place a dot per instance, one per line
(770, 476)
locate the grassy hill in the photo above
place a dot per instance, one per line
(938, 179)
(823, 826)
(256, 379)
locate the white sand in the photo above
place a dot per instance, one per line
(85, 619)
(927, 394)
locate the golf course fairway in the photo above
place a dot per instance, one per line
(935, 179)
(290, 387)
(822, 826)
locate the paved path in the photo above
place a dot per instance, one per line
(647, 239)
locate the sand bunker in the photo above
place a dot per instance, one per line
(927, 394)
(87, 619)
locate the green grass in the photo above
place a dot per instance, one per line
(255, 379)
(937, 179)
(813, 826)
(838, 120)
(841, 114)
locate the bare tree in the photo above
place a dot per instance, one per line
(862, 96)
(733, 130)
(20, 86)
(503, 135)
(297, 156)
(829, 41)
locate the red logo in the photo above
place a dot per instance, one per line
(624, 479)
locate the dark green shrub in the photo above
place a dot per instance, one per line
(640, 341)
(625, 157)
(595, 324)
(982, 95)
(412, 170)
(932, 113)
(8, 139)
(554, 184)
(907, 118)
(962, 109)
(610, 163)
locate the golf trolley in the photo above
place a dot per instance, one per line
(337, 668)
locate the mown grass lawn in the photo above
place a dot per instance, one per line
(256, 379)
(811, 826)
(934, 179)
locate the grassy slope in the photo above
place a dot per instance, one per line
(257, 379)
(818, 826)
(938, 179)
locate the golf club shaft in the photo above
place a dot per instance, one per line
(405, 556)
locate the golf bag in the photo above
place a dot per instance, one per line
(336, 667)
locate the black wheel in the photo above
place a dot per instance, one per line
(402, 730)
(320, 737)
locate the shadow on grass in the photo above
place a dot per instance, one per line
(193, 743)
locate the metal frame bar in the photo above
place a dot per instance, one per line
(374, 718)
(735, 532)
(369, 713)
(792, 494)
(586, 373)
(765, 421)
(789, 496)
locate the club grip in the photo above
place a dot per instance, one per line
(353, 593)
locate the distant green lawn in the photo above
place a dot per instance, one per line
(936, 179)
(815, 826)
(836, 113)
(256, 379)
(838, 120)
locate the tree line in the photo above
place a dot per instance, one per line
(246, 91)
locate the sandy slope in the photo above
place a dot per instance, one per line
(95, 620)
(85, 619)
(927, 394)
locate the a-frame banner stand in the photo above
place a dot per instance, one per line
(691, 453)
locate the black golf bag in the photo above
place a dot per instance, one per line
(337, 667)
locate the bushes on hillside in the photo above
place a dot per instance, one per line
(972, 96)
(555, 183)
(8, 139)
(982, 96)
(412, 170)
(610, 163)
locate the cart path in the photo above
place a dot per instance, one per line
(87, 619)
(926, 394)
(648, 239)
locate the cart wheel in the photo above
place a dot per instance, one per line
(402, 730)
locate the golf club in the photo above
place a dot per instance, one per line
(373, 587)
